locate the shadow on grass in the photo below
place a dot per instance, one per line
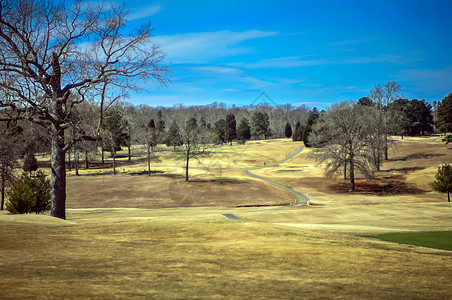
(404, 170)
(220, 180)
(389, 185)
(417, 156)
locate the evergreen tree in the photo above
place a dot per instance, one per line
(243, 131)
(443, 180)
(174, 137)
(218, 134)
(444, 115)
(114, 133)
(230, 132)
(29, 194)
(260, 124)
(306, 131)
(298, 133)
(288, 130)
(30, 164)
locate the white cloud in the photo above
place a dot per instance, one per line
(300, 61)
(144, 12)
(219, 70)
(428, 80)
(284, 62)
(204, 46)
(350, 42)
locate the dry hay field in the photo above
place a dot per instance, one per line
(138, 236)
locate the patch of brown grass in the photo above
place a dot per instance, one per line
(210, 258)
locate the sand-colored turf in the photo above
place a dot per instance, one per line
(134, 236)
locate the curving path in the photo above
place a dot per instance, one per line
(302, 200)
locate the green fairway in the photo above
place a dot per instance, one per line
(438, 240)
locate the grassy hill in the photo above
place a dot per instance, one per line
(134, 236)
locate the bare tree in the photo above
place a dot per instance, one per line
(194, 138)
(383, 96)
(50, 52)
(343, 132)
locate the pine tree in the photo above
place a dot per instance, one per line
(30, 164)
(305, 135)
(243, 131)
(230, 132)
(443, 182)
(288, 130)
(174, 137)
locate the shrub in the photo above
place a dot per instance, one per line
(30, 163)
(29, 194)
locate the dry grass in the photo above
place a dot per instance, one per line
(115, 244)
(207, 258)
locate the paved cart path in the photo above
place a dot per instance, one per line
(302, 200)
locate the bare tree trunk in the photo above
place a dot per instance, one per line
(58, 177)
(130, 153)
(103, 154)
(448, 196)
(3, 185)
(113, 153)
(187, 157)
(69, 163)
(76, 161)
(345, 165)
(86, 160)
(386, 147)
(352, 170)
(149, 162)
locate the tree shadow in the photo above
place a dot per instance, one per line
(384, 186)
(404, 170)
(417, 156)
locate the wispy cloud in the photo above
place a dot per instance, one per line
(301, 61)
(144, 12)
(204, 46)
(350, 42)
(283, 62)
(219, 70)
(428, 80)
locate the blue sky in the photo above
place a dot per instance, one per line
(299, 52)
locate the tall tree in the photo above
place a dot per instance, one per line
(343, 131)
(260, 124)
(398, 121)
(114, 133)
(420, 118)
(243, 131)
(51, 51)
(382, 97)
(305, 135)
(443, 180)
(194, 142)
(288, 130)
(174, 137)
(444, 115)
(230, 132)
(218, 132)
(298, 133)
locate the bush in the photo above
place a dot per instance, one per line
(30, 163)
(29, 194)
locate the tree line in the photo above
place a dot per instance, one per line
(354, 137)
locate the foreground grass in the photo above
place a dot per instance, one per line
(438, 240)
(207, 258)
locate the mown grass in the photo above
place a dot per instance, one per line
(169, 258)
(438, 240)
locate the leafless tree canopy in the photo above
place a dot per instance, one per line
(54, 57)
